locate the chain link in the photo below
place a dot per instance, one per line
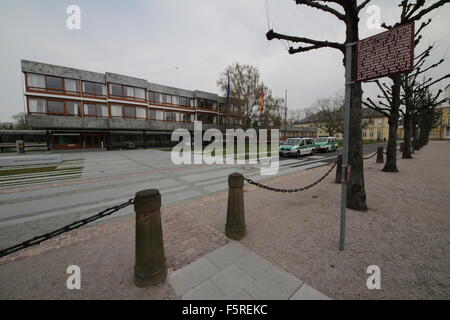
(371, 156)
(260, 185)
(67, 228)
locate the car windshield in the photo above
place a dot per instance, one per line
(322, 140)
(292, 142)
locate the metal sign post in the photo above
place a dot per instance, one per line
(348, 94)
(385, 54)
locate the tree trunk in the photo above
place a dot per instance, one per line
(356, 194)
(391, 159)
(407, 129)
(407, 121)
(416, 137)
(413, 134)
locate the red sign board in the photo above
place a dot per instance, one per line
(385, 54)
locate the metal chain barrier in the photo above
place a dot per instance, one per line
(260, 185)
(371, 156)
(67, 228)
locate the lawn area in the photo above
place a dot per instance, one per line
(51, 169)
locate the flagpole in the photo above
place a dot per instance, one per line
(285, 114)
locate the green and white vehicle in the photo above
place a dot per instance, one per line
(326, 144)
(297, 147)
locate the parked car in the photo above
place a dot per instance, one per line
(297, 147)
(325, 144)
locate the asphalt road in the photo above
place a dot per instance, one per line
(34, 204)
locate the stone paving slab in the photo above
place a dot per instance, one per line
(306, 292)
(233, 272)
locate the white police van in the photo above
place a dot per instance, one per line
(297, 147)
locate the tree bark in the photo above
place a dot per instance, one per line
(391, 158)
(407, 129)
(415, 134)
(356, 194)
(407, 122)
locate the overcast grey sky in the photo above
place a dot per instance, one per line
(186, 44)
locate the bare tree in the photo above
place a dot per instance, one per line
(416, 96)
(245, 90)
(410, 12)
(348, 12)
(329, 114)
(294, 115)
(19, 121)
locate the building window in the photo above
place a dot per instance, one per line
(72, 108)
(152, 114)
(115, 90)
(116, 111)
(129, 112)
(155, 97)
(171, 116)
(94, 89)
(206, 118)
(187, 117)
(128, 92)
(141, 113)
(55, 107)
(139, 94)
(160, 115)
(95, 110)
(35, 81)
(168, 99)
(184, 102)
(54, 83)
(37, 106)
(206, 104)
(72, 85)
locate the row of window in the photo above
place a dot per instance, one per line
(167, 99)
(73, 108)
(126, 92)
(160, 98)
(371, 134)
(53, 84)
(72, 86)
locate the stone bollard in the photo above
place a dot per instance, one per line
(380, 156)
(339, 170)
(151, 266)
(235, 227)
(402, 147)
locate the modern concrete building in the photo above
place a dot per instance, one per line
(81, 109)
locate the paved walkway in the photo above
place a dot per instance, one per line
(234, 272)
(406, 232)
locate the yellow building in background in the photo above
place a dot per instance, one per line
(376, 127)
(442, 129)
